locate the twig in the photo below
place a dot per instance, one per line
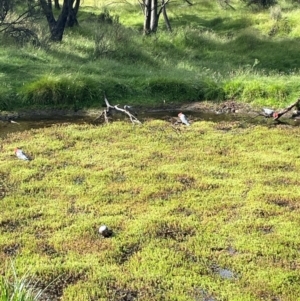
(190, 3)
(133, 119)
(18, 20)
(104, 113)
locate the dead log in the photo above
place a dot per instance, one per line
(109, 107)
(277, 115)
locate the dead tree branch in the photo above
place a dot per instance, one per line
(189, 3)
(19, 20)
(277, 115)
(109, 107)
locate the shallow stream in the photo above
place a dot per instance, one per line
(10, 124)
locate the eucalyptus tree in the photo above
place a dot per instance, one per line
(152, 10)
(56, 4)
(67, 17)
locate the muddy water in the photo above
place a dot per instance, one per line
(6, 127)
(25, 123)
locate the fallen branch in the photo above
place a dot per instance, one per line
(270, 113)
(277, 115)
(104, 113)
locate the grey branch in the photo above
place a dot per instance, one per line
(132, 118)
(282, 112)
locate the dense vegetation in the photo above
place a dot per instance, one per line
(208, 212)
(213, 53)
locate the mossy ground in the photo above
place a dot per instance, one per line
(183, 203)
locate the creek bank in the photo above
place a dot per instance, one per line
(191, 107)
(211, 111)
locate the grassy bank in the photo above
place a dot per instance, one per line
(207, 210)
(212, 54)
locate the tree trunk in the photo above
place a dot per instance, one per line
(152, 13)
(56, 4)
(72, 16)
(56, 27)
(166, 18)
(154, 16)
(147, 16)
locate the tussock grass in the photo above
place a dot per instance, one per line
(185, 207)
(18, 288)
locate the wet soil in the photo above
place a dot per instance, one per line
(195, 111)
(194, 107)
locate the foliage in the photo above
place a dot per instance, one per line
(109, 35)
(205, 54)
(18, 24)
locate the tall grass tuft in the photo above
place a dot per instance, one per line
(60, 91)
(18, 288)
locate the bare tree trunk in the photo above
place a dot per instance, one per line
(147, 16)
(56, 27)
(152, 11)
(72, 17)
(164, 11)
(154, 16)
(56, 4)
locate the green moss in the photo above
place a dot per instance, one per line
(180, 204)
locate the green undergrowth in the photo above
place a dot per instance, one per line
(213, 53)
(14, 287)
(206, 211)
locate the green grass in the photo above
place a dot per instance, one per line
(212, 54)
(18, 288)
(182, 203)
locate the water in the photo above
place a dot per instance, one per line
(36, 122)
(6, 127)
